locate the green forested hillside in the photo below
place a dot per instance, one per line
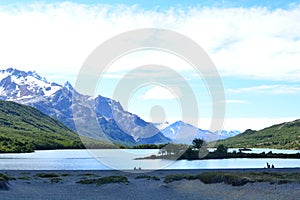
(24, 129)
(280, 136)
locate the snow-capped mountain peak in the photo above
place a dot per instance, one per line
(181, 132)
(68, 86)
(18, 73)
(17, 85)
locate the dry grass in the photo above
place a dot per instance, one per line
(148, 177)
(105, 180)
(237, 179)
(47, 175)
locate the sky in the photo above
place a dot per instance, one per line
(255, 46)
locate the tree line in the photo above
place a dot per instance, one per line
(199, 150)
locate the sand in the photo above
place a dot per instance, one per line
(29, 186)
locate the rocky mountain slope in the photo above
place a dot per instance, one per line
(77, 111)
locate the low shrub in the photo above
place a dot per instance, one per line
(3, 182)
(237, 179)
(3, 177)
(105, 180)
(143, 177)
(230, 179)
(47, 175)
(26, 178)
(178, 177)
(148, 177)
(87, 181)
(65, 175)
(112, 179)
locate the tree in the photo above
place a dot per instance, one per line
(190, 154)
(197, 143)
(221, 150)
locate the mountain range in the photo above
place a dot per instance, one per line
(181, 132)
(97, 117)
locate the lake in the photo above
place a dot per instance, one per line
(123, 159)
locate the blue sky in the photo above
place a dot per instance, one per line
(255, 46)
(163, 4)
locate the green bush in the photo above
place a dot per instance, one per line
(148, 177)
(105, 180)
(178, 177)
(3, 177)
(237, 179)
(87, 181)
(47, 175)
(26, 178)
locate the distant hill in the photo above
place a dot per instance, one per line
(24, 129)
(282, 136)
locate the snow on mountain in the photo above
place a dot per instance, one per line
(19, 85)
(76, 110)
(180, 132)
(161, 126)
(227, 134)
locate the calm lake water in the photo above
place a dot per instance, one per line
(124, 160)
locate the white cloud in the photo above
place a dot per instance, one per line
(158, 93)
(268, 89)
(253, 42)
(236, 101)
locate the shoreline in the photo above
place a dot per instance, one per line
(248, 149)
(44, 184)
(131, 171)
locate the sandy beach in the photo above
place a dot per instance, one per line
(32, 185)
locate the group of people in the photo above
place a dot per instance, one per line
(270, 166)
(137, 168)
